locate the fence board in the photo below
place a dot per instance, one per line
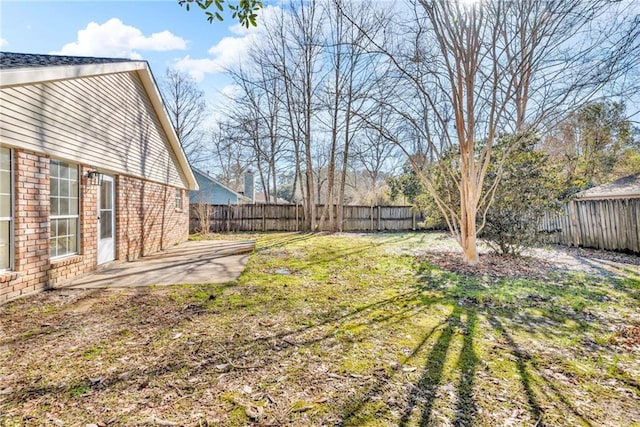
(612, 224)
(269, 217)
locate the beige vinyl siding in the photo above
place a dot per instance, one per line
(105, 121)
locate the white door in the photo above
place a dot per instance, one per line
(106, 221)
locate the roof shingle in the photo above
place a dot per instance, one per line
(23, 60)
(629, 186)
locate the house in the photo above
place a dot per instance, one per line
(624, 188)
(273, 200)
(213, 192)
(91, 169)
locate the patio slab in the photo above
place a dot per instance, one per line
(192, 262)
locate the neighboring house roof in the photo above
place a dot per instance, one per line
(206, 176)
(626, 187)
(18, 69)
(262, 198)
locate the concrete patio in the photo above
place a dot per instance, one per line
(206, 261)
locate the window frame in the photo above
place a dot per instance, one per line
(76, 216)
(11, 218)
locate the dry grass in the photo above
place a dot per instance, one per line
(332, 330)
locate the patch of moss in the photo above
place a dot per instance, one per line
(92, 353)
(78, 390)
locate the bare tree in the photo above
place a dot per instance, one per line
(227, 157)
(187, 108)
(375, 155)
(351, 77)
(469, 72)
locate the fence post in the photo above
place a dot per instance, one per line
(574, 234)
(413, 219)
(228, 217)
(371, 215)
(297, 222)
(379, 217)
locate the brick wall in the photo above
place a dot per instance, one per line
(31, 227)
(146, 221)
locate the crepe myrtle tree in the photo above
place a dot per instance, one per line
(468, 72)
(245, 11)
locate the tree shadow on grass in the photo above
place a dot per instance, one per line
(422, 394)
(521, 366)
(426, 387)
(523, 361)
(352, 410)
(467, 364)
(471, 299)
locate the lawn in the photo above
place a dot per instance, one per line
(333, 330)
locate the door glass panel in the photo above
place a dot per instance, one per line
(106, 219)
(106, 195)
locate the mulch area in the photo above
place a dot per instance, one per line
(538, 263)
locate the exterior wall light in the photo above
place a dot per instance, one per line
(94, 178)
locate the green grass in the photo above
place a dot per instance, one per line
(330, 330)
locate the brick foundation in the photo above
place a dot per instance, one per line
(146, 222)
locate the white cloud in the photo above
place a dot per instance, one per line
(115, 39)
(230, 51)
(3, 42)
(226, 53)
(231, 91)
(197, 68)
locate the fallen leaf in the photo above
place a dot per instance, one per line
(254, 412)
(223, 367)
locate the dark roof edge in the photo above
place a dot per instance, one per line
(9, 60)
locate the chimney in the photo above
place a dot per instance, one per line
(249, 186)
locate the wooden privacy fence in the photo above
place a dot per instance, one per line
(612, 224)
(270, 217)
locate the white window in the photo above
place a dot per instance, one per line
(64, 209)
(6, 209)
(178, 199)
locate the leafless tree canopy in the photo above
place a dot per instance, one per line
(337, 86)
(187, 109)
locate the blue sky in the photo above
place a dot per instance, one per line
(159, 31)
